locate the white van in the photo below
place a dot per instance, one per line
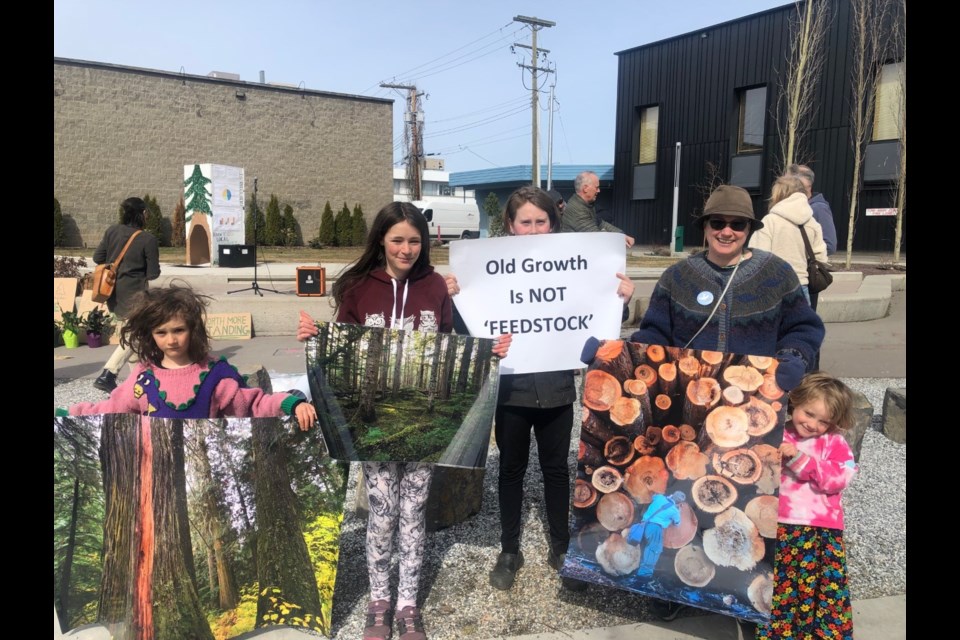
(451, 220)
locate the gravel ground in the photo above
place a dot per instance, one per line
(458, 602)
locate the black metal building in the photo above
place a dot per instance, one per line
(714, 91)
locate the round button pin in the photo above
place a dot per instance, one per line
(704, 298)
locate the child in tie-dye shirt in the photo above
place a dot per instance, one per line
(810, 596)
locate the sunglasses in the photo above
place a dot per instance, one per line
(737, 225)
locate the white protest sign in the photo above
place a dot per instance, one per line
(551, 291)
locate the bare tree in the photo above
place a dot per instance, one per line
(796, 104)
(900, 35)
(866, 47)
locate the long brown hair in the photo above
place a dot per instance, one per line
(373, 257)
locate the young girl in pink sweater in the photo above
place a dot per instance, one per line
(810, 595)
(176, 378)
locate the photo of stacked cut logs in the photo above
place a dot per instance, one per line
(662, 419)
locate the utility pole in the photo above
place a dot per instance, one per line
(413, 137)
(535, 25)
(550, 140)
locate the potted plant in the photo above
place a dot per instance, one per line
(95, 322)
(70, 326)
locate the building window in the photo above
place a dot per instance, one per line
(649, 117)
(753, 107)
(889, 101)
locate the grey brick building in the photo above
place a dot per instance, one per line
(121, 131)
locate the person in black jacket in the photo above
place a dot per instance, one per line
(140, 264)
(542, 401)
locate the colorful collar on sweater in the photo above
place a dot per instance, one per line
(157, 404)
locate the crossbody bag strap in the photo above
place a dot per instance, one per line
(116, 263)
(806, 243)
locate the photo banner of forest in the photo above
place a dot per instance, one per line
(170, 529)
(388, 395)
(678, 476)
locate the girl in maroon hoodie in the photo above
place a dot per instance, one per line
(393, 285)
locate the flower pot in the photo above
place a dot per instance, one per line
(94, 340)
(70, 339)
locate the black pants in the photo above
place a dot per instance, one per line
(552, 429)
(816, 359)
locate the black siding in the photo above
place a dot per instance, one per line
(695, 81)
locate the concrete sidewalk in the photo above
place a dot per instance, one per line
(877, 619)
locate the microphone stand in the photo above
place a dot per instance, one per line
(254, 286)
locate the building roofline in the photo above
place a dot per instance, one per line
(207, 79)
(706, 28)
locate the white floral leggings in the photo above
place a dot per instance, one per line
(396, 491)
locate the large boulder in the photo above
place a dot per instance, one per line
(895, 414)
(863, 417)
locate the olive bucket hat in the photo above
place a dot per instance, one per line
(727, 200)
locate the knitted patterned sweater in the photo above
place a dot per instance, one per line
(211, 390)
(763, 312)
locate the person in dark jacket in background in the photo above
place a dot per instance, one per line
(141, 263)
(580, 212)
(542, 401)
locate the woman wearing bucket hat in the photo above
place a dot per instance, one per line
(733, 299)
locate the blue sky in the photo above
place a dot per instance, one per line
(477, 115)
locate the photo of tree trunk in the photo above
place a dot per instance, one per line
(388, 395)
(170, 529)
(678, 476)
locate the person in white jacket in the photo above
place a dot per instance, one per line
(780, 234)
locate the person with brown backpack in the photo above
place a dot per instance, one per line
(140, 263)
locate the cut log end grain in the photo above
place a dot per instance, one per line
(760, 593)
(600, 390)
(745, 377)
(646, 476)
(689, 366)
(584, 495)
(679, 535)
(743, 466)
(762, 416)
(713, 493)
(645, 374)
(693, 567)
(686, 461)
(763, 511)
(770, 391)
(727, 426)
(687, 432)
(760, 363)
(606, 479)
(733, 541)
(656, 354)
(609, 350)
(732, 396)
(712, 357)
(634, 387)
(643, 446)
(590, 537)
(615, 511)
(618, 451)
(625, 411)
(769, 480)
(670, 434)
(617, 557)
